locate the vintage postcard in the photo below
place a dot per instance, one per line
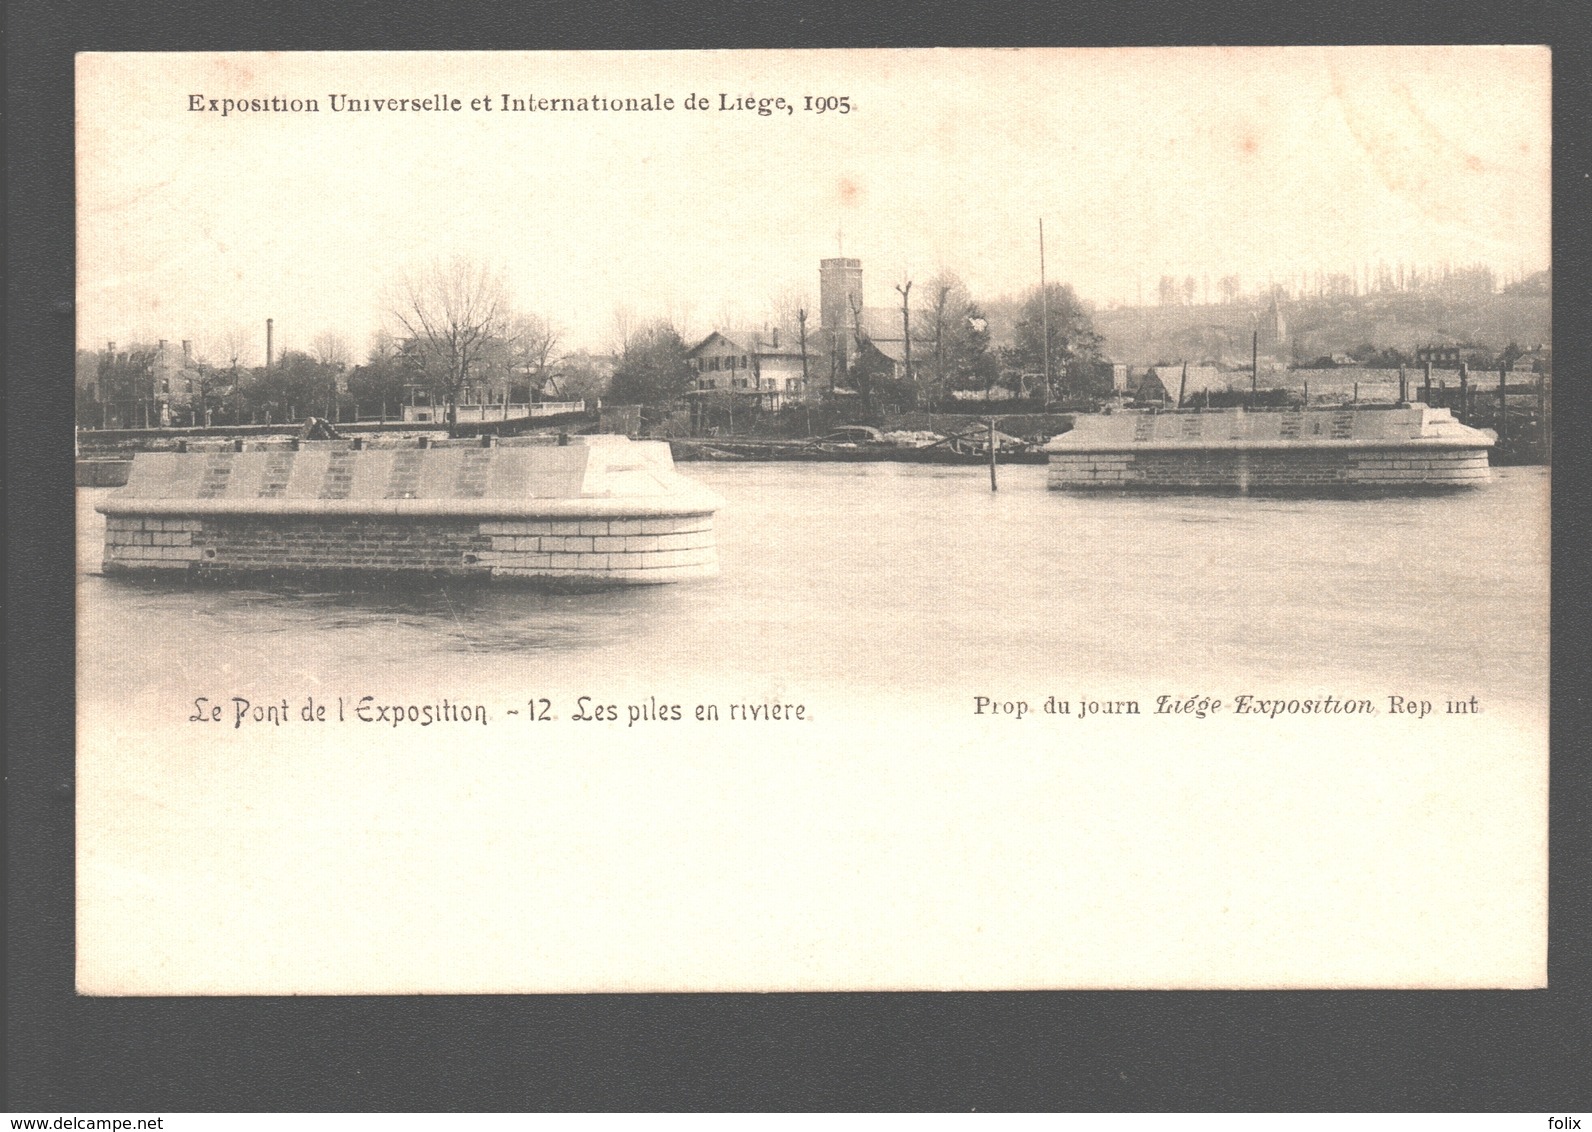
(834, 520)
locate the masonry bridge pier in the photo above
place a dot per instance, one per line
(594, 511)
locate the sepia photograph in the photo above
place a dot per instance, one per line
(933, 519)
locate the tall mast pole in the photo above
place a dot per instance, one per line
(1044, 306)
(906, 340)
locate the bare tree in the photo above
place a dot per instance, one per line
(456, 313)
(948, 313)
(858, 373)
(680, 313)
(330, 349)
(233, 349)
(534, 341)
(581, 377)
(784, 310)
(854, 301)
(625, 325)
(384, 346)
(730, 315)
(206, 386)
(958, 337)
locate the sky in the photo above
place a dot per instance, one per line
(1261, 162)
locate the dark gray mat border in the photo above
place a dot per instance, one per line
(1071, 1051)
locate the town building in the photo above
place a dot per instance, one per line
(774, 369)
(1440, 357)
(750, 365)
(144, 387)
(1538, 359)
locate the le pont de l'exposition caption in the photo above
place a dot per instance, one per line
(765, 107)
(237, 711)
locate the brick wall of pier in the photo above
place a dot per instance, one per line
(634, 550)
(1300, 469)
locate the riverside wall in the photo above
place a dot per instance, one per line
(602, 513)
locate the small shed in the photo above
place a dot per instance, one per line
(1163, 383)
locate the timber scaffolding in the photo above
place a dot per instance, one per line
(1519, 408)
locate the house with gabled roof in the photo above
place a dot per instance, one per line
(751, 365)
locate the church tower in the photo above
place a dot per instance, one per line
(839, 289)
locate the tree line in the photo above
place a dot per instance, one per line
(452, 335)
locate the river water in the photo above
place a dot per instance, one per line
(885, 578)
(895, 837)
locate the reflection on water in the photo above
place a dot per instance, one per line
(881, 576)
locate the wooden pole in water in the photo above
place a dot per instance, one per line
(1254, 367)
(1464, 393)
(1503, 404)
(993, 486)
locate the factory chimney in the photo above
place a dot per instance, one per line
(269, 323)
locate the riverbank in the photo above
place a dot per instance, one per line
(735, 448)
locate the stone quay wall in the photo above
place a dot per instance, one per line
(599, 514)
(103, 473)
(1397, 449)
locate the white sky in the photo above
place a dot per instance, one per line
(1144, 162)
